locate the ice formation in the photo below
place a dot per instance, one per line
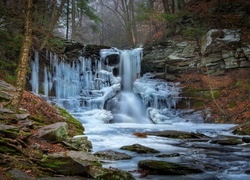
(111, 82)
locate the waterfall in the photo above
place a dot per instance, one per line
(110, 82)
(130, 67)
(130, 107)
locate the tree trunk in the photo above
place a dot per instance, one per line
(166, 6)
(67, 21)
(73, 30)
(54, 18)
(133, 25)
(23, 59)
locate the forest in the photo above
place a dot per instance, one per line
(203, 45)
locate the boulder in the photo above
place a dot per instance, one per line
(246, 139)
(112, 155)
(56, 132)
(22, 116)
(168, 155)
(70, 163)
(166, 168)
(139, 149)
(176, 134)
(18, 174)
(226, 140)
(79, 143)
(101, 173)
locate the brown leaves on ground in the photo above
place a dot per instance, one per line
(231, 101)
(39, 108)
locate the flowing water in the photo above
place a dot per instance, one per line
(112, 106)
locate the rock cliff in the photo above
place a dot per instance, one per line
(214, 75)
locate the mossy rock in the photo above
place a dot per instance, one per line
(75, 126)
(166, 168)
(9, 131)
(139, 149)
(245, 130)
(70, 163)
(176, 134)
(79, 143)
(56, 132)
(112, 155)
(6, 149)
(227, 141)
(101, 173)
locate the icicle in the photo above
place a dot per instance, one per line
(34, 74)
(46, 83)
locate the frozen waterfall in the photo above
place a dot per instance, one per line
(109, 82)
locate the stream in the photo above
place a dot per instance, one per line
(113, 106)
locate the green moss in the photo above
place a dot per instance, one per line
(248, 86)
(231, 103)
(242, 131)
(74, 125)
(53, 164)
(216, 94)
(210, 94)
(5, 149)
(198, 103)
(13, 133)
(238, 84)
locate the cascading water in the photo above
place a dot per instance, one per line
(130, 107)
(110, 98)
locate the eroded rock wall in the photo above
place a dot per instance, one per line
(220, 50)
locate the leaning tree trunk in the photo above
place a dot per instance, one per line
(23, 59)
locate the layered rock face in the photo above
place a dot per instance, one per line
(214, 72)
(220, 50)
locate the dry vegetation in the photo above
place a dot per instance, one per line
(230, 102)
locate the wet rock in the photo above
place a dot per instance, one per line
(70, 163)
(168, 155)
(246, 139)
(112, 155)
(79, 143)
(247, 171)
(176, 134)
(98, 172)
(226, 140)
(211, 147)
(56, 132)
(166, 168)
(242, 129)
(139, 149)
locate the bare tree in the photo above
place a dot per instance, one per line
(56, 13)
(23, 59)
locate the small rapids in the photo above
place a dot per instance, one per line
(113, 101)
